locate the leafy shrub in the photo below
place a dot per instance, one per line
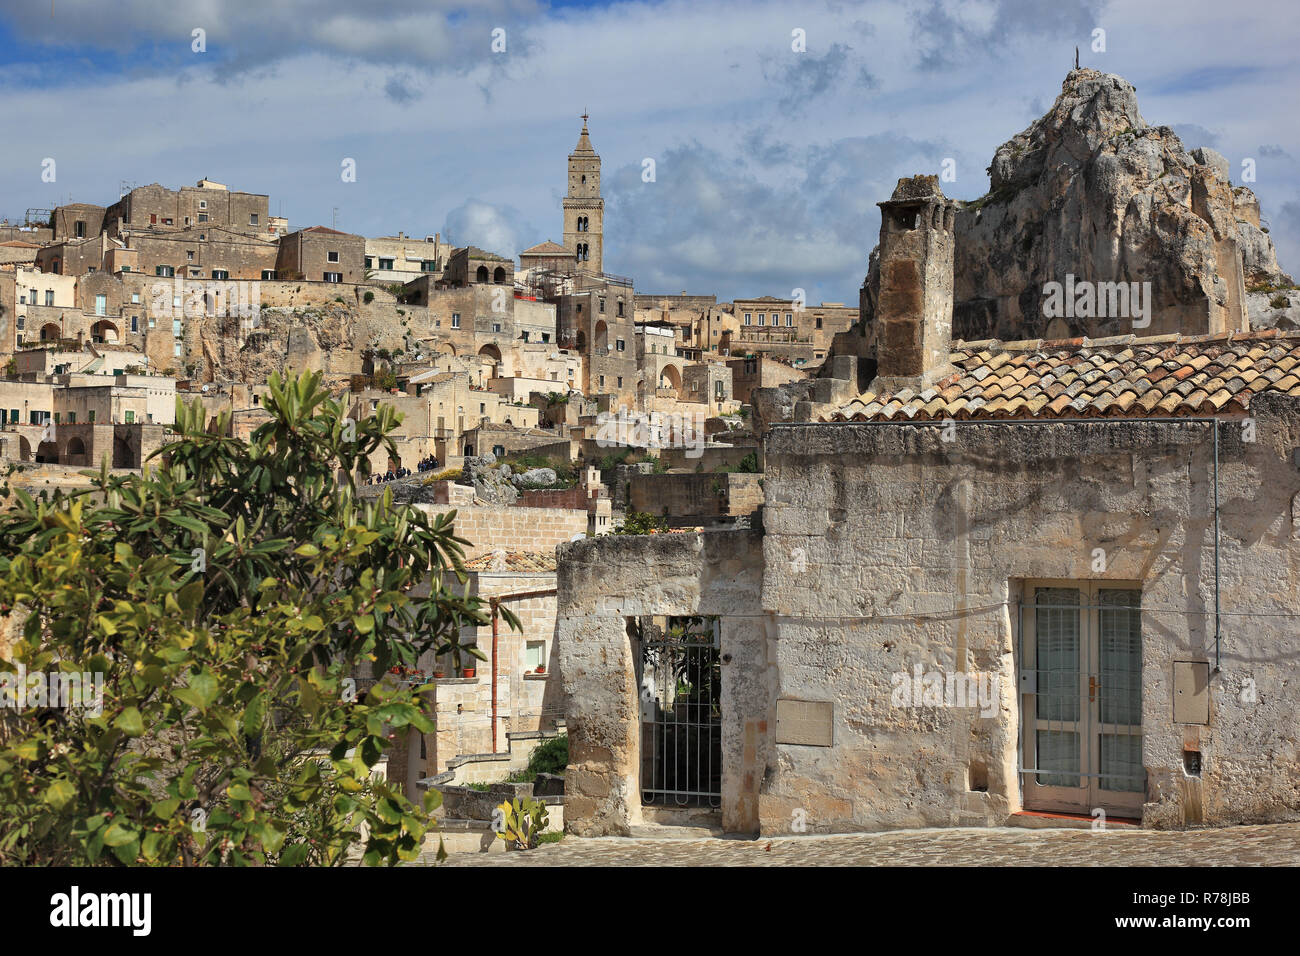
(1279, 302)
(368, 297)
(638, 522)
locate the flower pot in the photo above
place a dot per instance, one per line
(468, 672)
(541, 668)
(438, 675)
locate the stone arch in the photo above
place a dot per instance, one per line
(482, 274)
(499, 276)
(105, 331)
(47, 452)
(670, 377)
(123, 457)
(600, 337)
(446, 348)
(24, 449)
(74, 453)
(50, 332)
(489, 357)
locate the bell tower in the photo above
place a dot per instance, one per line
(584, 210)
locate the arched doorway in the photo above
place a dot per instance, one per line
(600, 342)
(104, 331)
(75, 452)
(122, 454)
(670, 377)
(50, 332)
(489, 357)
(482, 274)
(499, 277)
(47, 453)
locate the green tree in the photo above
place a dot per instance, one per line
(229, 596)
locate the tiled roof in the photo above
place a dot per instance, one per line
(524, 562)
(547, 248)
(1118, 377)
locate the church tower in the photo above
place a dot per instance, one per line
(584, 210)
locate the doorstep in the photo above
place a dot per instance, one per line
(1042, 819)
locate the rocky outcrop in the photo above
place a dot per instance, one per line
(490, 481)
(1090, 190)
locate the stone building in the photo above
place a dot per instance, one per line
(320, 254)
(402, 258)
(1009, 578)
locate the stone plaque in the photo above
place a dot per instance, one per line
(806, 722)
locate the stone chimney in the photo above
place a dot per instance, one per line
(914, 309)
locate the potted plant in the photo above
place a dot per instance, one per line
(468, 671)
(541, 668)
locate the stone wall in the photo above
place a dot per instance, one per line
(489, 528)
(691, 496)
(603, 582)
(887, 547)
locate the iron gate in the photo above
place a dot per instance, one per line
(681, 717)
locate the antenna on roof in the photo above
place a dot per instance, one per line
(1076, 57)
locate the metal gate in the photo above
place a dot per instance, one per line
(1080, 671)
(681, 717)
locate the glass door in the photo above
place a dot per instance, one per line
(1081, 698)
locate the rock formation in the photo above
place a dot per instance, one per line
(1091, 191)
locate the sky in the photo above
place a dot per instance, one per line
(768, 160)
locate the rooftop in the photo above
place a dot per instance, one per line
(1118, 377)
(513, 561)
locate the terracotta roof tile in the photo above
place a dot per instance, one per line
(1119, 376)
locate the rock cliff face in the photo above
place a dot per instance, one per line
(1091, 191)
(328, 338)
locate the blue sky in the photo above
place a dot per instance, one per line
(768, 162)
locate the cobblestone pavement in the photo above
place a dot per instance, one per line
(1274, 845)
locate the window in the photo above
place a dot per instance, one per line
(761, 318)
(252, 219)
(620, 307)
(455, 320)
(220, 274)
(166, 271)
(332, 256)
(546, 336)
(81, 229)
(534, 655)
(602, 306)
(153, 219)
(135, 323)
(126, 268)
(333, 277)
(176, 350)
(13, 416)
(91, 415)
(203, 217)
(482, 408)
(620, 345)
(152, 322)
(56, 418)
(819, 321)
(178, 327)
(429, 265)
(203, 204)
(22, 323)
(130, 417)
(789, 320)
(748, 318)
(168, 222)
(383, 264)
(187, 220)
(135, 298)
(49, 298)
(602, 381)
(496, 326)
(268, 275)
(189, 255)
(370, 262)
(101, 305)
(72, 418)
(524, 334)
(620, 381)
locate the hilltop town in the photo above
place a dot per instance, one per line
(778, 566)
